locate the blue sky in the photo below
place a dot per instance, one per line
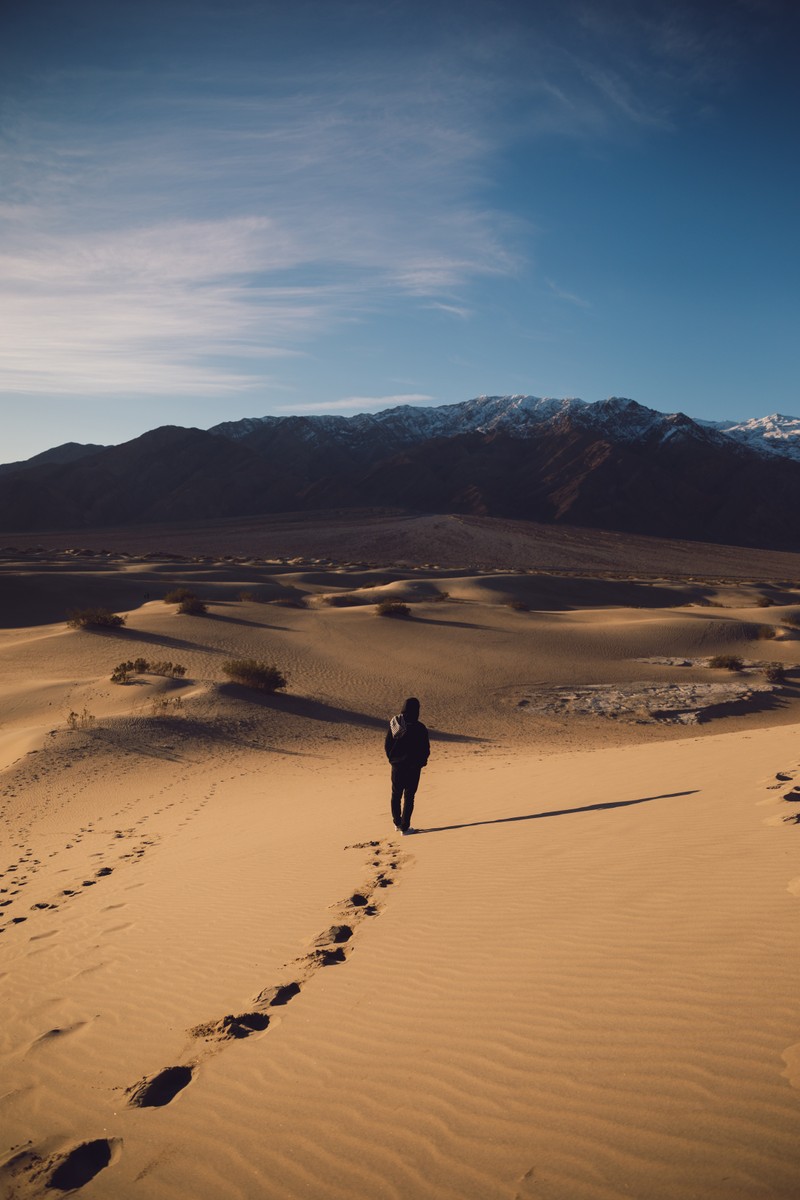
(214, 210)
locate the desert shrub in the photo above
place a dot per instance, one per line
(289, 602)
(139, 666)
(764, 602)
(177, 595)
(192, 606)
(253, 673)
(170, 669)
(345, 600)
(247, 597)
(765, 632)
(122, 672)
(775, 672)
(440, 597)
(81, 720)
(729, 662)
(166, 706)
(393, 608)
(94, 618)
(519, 605)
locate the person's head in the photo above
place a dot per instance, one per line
(411, 709)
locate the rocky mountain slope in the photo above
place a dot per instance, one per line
(615, 465)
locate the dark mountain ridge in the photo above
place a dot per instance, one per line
(614, 465)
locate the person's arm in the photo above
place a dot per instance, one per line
(387, 745)
(426, 746)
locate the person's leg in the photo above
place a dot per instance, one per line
(398, 782)
(411, 785)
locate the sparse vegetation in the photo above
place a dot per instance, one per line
(94, 618)
(765, 632)
(775, 672)
(247, 597)
(177, 595)
(393, 608)
(166, 706)
(728, 662)
(81, 720)
(289, 602)
(253, 673)
(192, 606)
(764, 602)
(440, 597)
(123, 671)
(519, 605)
(346, 600)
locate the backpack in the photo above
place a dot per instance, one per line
(398, 726)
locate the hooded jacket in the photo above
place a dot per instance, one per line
(411, 745)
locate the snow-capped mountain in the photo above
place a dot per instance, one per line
(614, 464)
(525, 417)
(775, 434)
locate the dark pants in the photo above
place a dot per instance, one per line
(405, 781)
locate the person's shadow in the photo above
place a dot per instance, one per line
(559, 812)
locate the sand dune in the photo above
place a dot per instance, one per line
(224, 975)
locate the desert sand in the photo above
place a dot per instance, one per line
(224, 974)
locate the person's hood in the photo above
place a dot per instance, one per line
(411, 709)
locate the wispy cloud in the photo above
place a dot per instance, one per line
(569, 297)
(215, 220)
(359, 403)
(160, 259)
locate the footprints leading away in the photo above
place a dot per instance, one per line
(792, 796)
(63, 1171)
(30, 1172)
(327, 950)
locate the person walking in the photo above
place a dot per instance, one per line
(407, 748)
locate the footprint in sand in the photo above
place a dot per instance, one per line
(241, 1026)
(161, 1089)
(276, 997)
(64, 1172)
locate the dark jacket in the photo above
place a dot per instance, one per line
(413, 746)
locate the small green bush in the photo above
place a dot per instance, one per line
(94, 618)
(729, 662)
(253, 673)
(177, 595)
(393, 608)
(192, 606)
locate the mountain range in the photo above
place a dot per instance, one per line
(614, 464)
